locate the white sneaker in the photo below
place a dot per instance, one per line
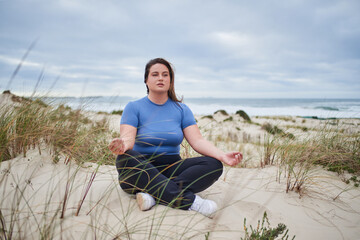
(204, 206)
(145, 201)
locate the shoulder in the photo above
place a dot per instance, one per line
(183, 105)
(133, 111)
(136, 103)
(180, 105)
(134, 107)
(185, 110)
(188, 118)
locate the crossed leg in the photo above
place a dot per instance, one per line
(169, 179)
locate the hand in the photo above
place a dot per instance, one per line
(117, 146)
(232, 158)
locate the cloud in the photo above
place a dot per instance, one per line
(218, 48)
(13, 62)
(237, 44)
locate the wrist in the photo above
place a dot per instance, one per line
(221, 157)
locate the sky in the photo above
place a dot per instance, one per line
(219, 48)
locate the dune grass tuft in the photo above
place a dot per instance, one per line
(117, 112)
(209, 117)
(328, 147)
(68, 132)
(276, 130)
(244, 115)
(265, 231)
(223, 112)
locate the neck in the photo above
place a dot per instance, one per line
(158, 98)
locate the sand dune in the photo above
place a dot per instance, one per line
(35, 192)
(107, 211)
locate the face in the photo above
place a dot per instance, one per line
(158, 79)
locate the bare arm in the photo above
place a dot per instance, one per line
(126, 141)
(204, 147)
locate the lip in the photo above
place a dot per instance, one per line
(160, 84)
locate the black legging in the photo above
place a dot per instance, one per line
(168, 178)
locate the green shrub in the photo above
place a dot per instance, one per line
(244, 115)
(274, 130)
(208, 116)
(229, 119)
(223, 112)
(264, 232)
(305, 129)
(118, 112)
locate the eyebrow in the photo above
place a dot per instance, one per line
(158, 72)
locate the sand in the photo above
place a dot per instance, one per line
(35, 192)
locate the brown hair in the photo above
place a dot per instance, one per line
(171, 91)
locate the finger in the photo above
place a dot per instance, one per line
(114, 149)
(118, 151)
(111, 147)
(238, 158)
(118, 148)
(112, 143)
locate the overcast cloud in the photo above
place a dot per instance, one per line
(269, 48)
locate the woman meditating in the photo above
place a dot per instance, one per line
(149, 163)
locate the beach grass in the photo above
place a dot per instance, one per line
(296, 151)
(264, 231)
(68, 132)
(244, 115)
(75, 142)
(329, 147)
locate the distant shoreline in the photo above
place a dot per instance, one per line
(320, 108)
(316, 108)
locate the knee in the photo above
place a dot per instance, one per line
(131, 152)
(127, 187)
(127, 158)
(126, 162)
(216, 167)
(127, 155)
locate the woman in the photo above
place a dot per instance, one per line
(148, 162)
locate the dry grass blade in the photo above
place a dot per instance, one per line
(17, 69)
(86, 191)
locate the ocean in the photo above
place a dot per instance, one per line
(321, 108)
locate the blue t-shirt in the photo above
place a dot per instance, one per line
(159, 127)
